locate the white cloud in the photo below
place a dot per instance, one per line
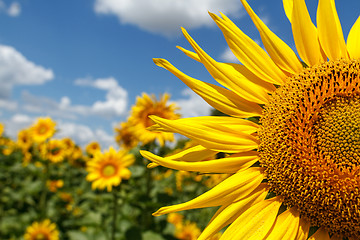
(164, 16)
(17, 70)
(228, 56)
(8, 104)
(80, 133)
(14, 10)
(83, 134)
(114, 105)
(115, 100)
(16, 123)
(192, 105)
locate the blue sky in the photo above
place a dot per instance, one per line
(83, 62)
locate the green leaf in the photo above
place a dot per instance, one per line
(150, 235)
(133, 233)
(77, 235)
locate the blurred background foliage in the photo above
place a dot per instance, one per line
(34, 188)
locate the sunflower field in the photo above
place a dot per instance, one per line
(52, 188)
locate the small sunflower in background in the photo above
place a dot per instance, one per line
(1, 129)
(45, 230)
(125, 137)
(24, 139)
(43, 129)
(69, 146)
(53, 150)
(92, 148)
(54, 185)
(296, 119)
(187, 231)
(146, 106)
(106, 170)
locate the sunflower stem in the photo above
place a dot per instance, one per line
(115, 209)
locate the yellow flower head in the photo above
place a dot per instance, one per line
(54, 185)
(175, 218)
(7, 146)
(69, 146)
(187, 231)
(1, 129)
(76, 153)
(125, 136)
(297, 119)
(145, 107)
(43, 129)
(27, 157)
(66, 197)
(92, 148)
(54, 150)
(44, 230)
(24, 139)
(109, 168)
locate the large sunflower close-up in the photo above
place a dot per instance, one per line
(45, 230)
(291, 136)
(106, 170)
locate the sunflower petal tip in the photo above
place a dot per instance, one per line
(157, 213)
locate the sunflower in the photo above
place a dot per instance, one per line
(187, 231)
(24, 140)
(53, 150)
(44, 230)
(139, 117)
(175, 218)
(69, 146)
(43, 129)
(292, 133)
(125, 137)
(54, 185)
(109, 168)
(92, 148)
(1, 129)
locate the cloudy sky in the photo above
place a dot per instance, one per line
(83, 62)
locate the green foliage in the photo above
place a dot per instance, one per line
(83, 214)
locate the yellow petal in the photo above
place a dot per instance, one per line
(320, 234)
(219, 134)
(249, 53)
(220, 98)
(255, 223)
(336, 238)
(229, 77)
(236, 124)
(228, 213)
(305, 34)
(288, 8)
(192, 154)
(238, 67)
(229, 164)
(125, 173)
(190, 54)
(330, 31)
(303, 230)
(241, 183)
(278, 50)
(196, 153)
(286, 226)
(353, 40)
